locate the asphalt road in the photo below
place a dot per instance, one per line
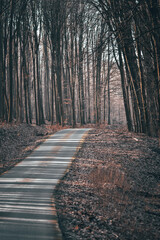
(26, 191)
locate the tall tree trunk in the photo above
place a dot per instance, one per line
(80, 75)
(53, 90)
(125, 95)
(25, 89)
(98, 87)
(88, 79)
(154, 13)
(47, 81)
(59, 82)
(40, 105)
(35, 85)
(94, 83)
(29, 96)
(1, 66)
(73, 71)
(21, 84)
(98, 74)
(17, 77)
(59, 62)
(10, 64)
(133, 88)
(108, 81)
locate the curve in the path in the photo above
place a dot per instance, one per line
(26, 209)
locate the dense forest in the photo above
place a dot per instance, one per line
(81, 61)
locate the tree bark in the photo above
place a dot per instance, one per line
(1, 66)
(11, 64)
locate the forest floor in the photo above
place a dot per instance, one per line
(112, 189)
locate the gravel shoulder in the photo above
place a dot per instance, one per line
(112, 189)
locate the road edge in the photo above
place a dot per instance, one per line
(53, 200)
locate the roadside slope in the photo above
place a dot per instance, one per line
(112, 190)
(19, 140)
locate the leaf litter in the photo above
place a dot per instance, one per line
(112, 189)
(19, 140)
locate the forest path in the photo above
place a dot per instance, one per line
(26, 191)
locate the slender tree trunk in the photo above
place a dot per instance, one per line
(59, 84)
(81, 87)
(17, 78)
(47, 81)
(94, 83)
(10, 63)
(88, 79)
(125, 95)
(135, 99)
(98, 87)
(21, 84)
(40, 105)
(35, 86)
(53, 90)
(108, 80)
(1, 67)
(104, 90)
(73, 81)
(29, 99)
(25, 91)
(6, 101)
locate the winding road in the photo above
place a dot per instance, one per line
(27, 209)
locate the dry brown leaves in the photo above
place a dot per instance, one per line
(112, 188)
(17, 141)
